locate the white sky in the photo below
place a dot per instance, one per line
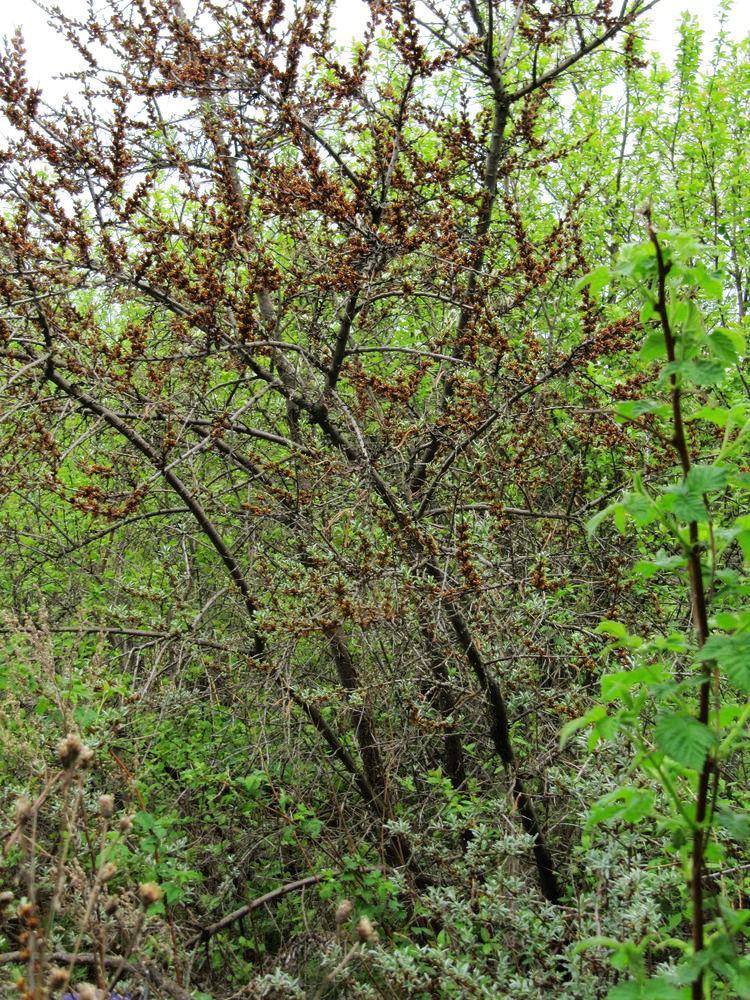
(48, 55)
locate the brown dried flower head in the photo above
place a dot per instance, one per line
(106, 806)
(23, 809)
(365, 931)
(86, 991)
(150, 893)
(58, 977)
(69, 750)
(107, 871)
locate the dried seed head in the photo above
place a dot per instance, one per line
(86, 758)
(107, 871)
(23, 808)
(58, 977)
(110, 904)
(343, 910)
(69, 750)
(106, 806)
(150, 893)
(126, 824)
(86, 991)
(366, 931)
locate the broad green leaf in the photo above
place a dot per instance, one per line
(253, 783)
(679, 313)
(708, 281)
(683, 738)
(736, 824)
(145, 820)
(623, 805)
(653, 347)
(701, 371)
(732, 655)
(704, 372)
(616, 629)
(647, 311)
(660, 563)
(729, 621)
(652, 989)
(683, 503)
(713, 414)
(625, 991)
(686, 245)
(641, 508)
(597, 712)
(622, 683)
(690, 330)
(724, 346)
(704, 478)
(637, 407)
(596, 280)
(637, 260)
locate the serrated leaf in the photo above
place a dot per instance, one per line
(683, 503)
(312, 827)
(625, 805)
(144, 820)
(743, 540)
(736, 824)
(625, 991)
(652, 989)
(723, 347)
(704, 372)
(622, 683)
(685, 244)
(637, 259)
(616, 629)
(653, 346)
(709, 281)
(647, 311)
(659, 564)
(705, 478)
(596, 280)
(596, 713)
(637, 407)
(701, 371)
(732, 655)
(684, 739)
(641, 508)
(713, 414)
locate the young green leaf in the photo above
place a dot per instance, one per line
(705, 478)
(683, 738)
(732, 656)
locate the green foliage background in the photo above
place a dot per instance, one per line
(486, 475)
